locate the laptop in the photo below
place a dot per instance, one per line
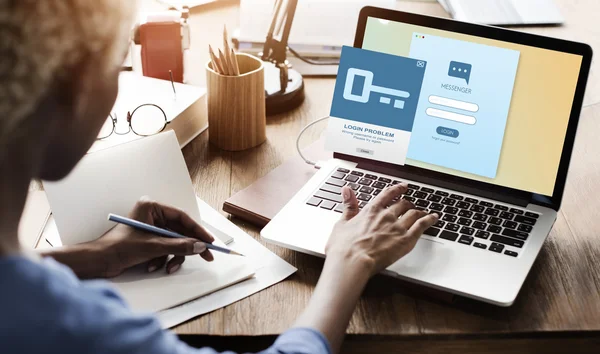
(479, 121)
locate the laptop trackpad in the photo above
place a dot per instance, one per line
(428, 257)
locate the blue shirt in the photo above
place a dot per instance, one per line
(45, 308)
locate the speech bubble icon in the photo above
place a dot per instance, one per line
(460, 70)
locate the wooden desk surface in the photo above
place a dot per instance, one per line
(560, 296)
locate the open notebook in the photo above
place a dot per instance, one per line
(112, 181)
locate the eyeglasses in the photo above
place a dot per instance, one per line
(147, 119)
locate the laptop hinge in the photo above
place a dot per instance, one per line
(500, 194)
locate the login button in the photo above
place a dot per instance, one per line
(453, 133)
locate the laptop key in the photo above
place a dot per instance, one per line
(379, 185)
(434, 198)
(314, 201)
(362, 204)
(465, 213)
(451, 210)
(410, 199)
(467, 231)
(466, 240)
(432, 231)
(439, 224)
(357, 173)
(447, 235)
(479, 225)
(449, 201)
(354, 186)
(463, 205)
(511, 253)
(452, 227)
(464, 222)
(364, 197)
(480, 245)
(496, 247)
(506, 215)
(501, 207)
(420, 195)
(422, 203)
(486, 204)
(338, 175)
(494, 229)
(343, 170)
(326, 204)
(385, 180)
(329, 196)
(339, 208)
(482, 234)
(376, 192)
(471, 200)
(409, 192)
(366, 189)
(510, 224)
(370, 176)
(450, 218)
(436, 207)
(427, 190)
(525, 228)
(507, 241)
(477, 208)
(442, 193)
(516, 234)
(492, 212)
(495, 221)
(525, 220)
(395, 182)
(480, 217)
(352, 178)
(336, 182)
(516, 211)
(365, 181)
(330, 188)
(532, 215)
(457, 197)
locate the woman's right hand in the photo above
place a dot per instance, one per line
(383, 232)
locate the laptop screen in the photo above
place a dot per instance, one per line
(474, 107)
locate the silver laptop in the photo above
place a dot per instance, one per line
(489, 148)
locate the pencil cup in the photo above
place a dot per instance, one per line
(236, 105)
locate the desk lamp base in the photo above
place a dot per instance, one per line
(278, 101)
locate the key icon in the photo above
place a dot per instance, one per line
(368, 87)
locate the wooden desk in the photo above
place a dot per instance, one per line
(558, 309)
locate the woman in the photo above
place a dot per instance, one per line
(59, 67)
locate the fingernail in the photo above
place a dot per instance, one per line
(152, 269)
(199, 247)
(174, 269)
(346, 194)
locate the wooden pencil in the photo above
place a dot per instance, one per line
(236, 67)
(216, 64)
(225, 64)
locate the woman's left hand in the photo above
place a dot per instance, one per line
(125, 247)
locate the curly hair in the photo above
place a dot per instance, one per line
(40, 40)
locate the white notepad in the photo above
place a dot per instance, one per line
(112, 181)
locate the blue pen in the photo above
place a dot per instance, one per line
(165, 233)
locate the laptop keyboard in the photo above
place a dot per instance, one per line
(466, 220)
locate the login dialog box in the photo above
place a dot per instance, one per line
(464, 103)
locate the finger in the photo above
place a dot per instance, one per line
(350, 203)
(386, 197)
(417, 229)
(174, 264)
(180, 222)
(159, 246)
(156, 263)
(207, 256)
(410, 217)
(401, 207)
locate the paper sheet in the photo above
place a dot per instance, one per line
(270, 269)
(113, 180)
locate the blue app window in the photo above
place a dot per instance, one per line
(377, 88)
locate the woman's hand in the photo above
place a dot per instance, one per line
(383, 232)
(124, 247)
